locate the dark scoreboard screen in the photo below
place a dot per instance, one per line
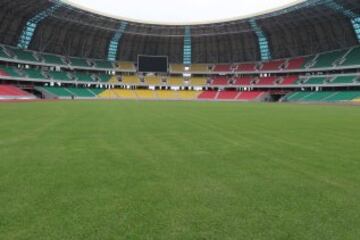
(155, 64)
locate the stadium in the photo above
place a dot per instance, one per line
(170, 125)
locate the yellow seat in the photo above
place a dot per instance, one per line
(125, 93)
(145, 94)
(180, 68)
(114, 79)
(188, 95)
(107, 94)
(200, 68)
(198, 81)
(167, 94)
(153, 80)
(126, 66)
(131, 80)
(357, 100)
(175, 81)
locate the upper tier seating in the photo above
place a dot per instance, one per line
(272, 65)
(52, 59)
(208, 95)
(79, 62)
(267, 81)
(290, 80)
(130, 80)
(103, 64)
(12, 92)
(2, 53)
(24, 55)
(200, 68)
(152, 80)
(228, 95)
(175, 81)
(223, 68)
(295, 63)
(243, 81)
(353, 58)
(60, 76)
(250, 96)
(126, 66)
(220, 81)
(343, 80)
(246, 67)
(327, 60)
(198, 81)
(177, 68)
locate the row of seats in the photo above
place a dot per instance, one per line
(9, 92)
(38, 74)
(326, 96)
(340, 58)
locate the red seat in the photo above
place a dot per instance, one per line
(223, 68)
(208, 95)
(289, 80)
(272, 65)
(267, 81)
(228, 95)
(11, 91)
(295, 63)
(246, 67)
(220, 81)
(244, 81)
(249, 96)
(3, 73)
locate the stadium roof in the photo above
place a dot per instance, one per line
(184, 12)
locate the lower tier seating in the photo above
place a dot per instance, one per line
(250, 96)
(325, 96)
(9, 92)
(228, 95)
(208, 95)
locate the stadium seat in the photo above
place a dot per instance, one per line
(60, 76)
(249, 96)
(153, 80)
(228, 95)
(103, 64)
(220, 81)
(272, 65)
(10, 71)
(79, 62)
(130, 80)
(246, 67)
(58, 91)
(81, 92)
(167, 94)
(198, 81)
(315, 80)
(12, 92)
(223, 68)
(104, 77)
(83, 77)
(266, 81)
(177, 68)
(290, 80)
(343, 80)
(295, 63)
(145, 94)
(327, 60)
(199, 68)
(52, 59)
(126, 66)
(175, 81)
(243, 81)
(34, 73)
(24, 55)
(210, 95)
(188, 95)
(352, 58)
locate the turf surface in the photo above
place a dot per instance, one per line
(179, 170)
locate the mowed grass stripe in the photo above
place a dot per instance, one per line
(178, 170)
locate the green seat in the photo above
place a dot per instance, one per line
(60, 76)
(24, 55)
(326, 60)
(83, 77)
(344, 96)
(58, 91)
(353, 58)
(103, 64)
(317, 96)
(296, 96)
(81, 92)
(3, 54)
(316, 80)
(34, 73)
(79, 62)
(343, 79)
(52, 59)
(11, 71)
(104, 77)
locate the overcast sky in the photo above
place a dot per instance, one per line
(181, 11)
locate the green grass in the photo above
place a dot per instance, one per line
(179, 170)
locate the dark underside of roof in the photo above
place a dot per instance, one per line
(74, 32)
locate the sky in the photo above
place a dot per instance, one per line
(180, 11)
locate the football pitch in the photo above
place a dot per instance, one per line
(179, 170)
